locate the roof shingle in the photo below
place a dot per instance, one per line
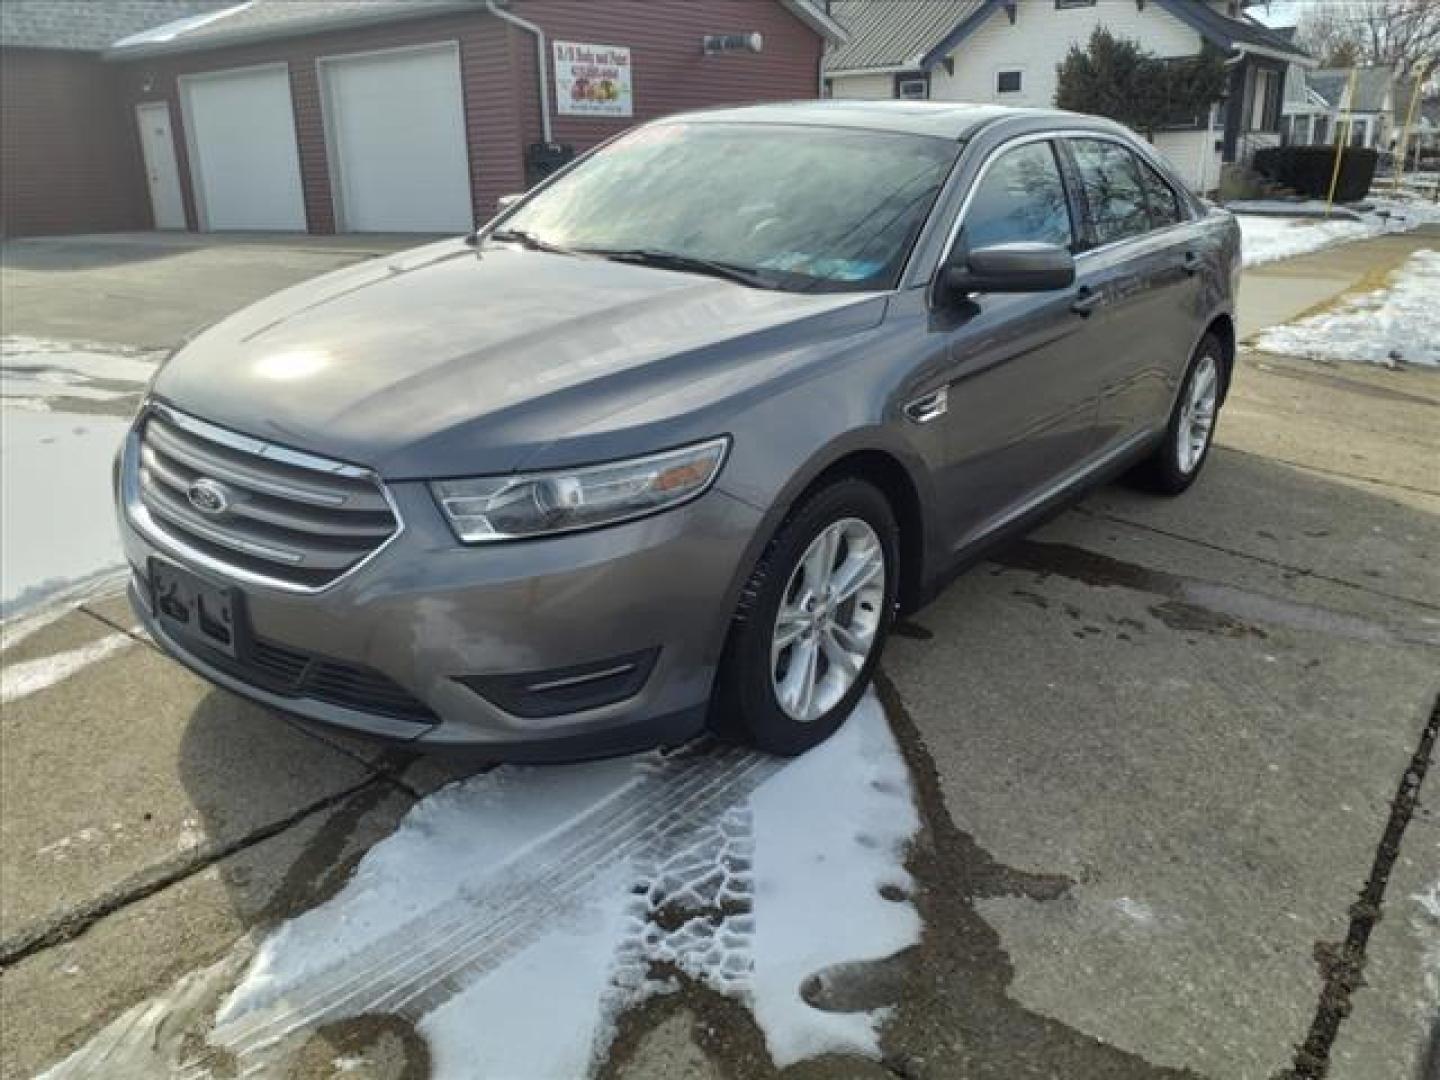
(893, 33)
(89, 25)
(1372, 84)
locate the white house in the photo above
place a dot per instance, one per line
(1374, 104)
(1007, 51)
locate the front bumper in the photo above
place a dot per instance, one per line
(438, 619)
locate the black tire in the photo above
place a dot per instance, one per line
(1163, 473)
(745, 706)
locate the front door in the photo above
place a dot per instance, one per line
(162, 171)
(1020, 378)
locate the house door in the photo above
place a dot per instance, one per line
(162, 172)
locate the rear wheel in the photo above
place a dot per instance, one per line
(812, 621)
(1177, 461)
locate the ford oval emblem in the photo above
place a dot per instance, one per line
(208, 496)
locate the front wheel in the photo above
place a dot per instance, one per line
(812, 621)
(1177, 461)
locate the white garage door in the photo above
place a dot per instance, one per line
(396, 130)
(240, 127)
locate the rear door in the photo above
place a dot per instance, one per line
(1019, 380)
(1142, 270)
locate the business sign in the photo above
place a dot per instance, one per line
(592, 80)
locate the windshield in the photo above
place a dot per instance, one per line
(791, 207)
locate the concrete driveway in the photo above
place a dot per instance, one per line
(1165, 754)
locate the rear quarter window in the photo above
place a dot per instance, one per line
(1163, 202)
(1110, 180)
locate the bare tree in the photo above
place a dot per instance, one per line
(1402, 34)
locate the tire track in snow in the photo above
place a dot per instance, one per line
(418, 966)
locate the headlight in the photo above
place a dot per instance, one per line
(537, 504)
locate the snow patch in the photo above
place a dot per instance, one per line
(829, 832)
(57, 513)
(158, 35)
(1427, 922)
(1265, 238)
(79, 360)
(568, 885)
(514, 916)
(1397, 324)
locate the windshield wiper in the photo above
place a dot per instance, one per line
(691, 264)
(527, 240)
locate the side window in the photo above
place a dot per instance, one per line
(1020, 197)
(1110, 179)
(1164, 204)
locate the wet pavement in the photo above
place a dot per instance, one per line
(1159, 749)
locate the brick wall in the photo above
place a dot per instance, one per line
(69, 155)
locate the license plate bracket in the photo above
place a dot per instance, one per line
(193, 609)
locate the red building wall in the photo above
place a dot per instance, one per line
(669, 71)
(500, 83)
(69, 155)
(491, 109)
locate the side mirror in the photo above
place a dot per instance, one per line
(505, 202)
(1011, 268)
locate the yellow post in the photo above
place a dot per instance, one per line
(1405, 135)
(1342, 139)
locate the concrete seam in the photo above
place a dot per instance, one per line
(70, 924)
(128, 631)
(1342, 964)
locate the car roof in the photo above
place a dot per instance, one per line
(944, 119)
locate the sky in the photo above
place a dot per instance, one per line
(1279, 12)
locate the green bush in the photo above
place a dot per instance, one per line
(1307, 170)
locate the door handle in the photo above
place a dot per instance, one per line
(1086, 301)
(1191, 263)
(929, 407)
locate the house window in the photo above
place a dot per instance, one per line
(912, 87)
(1007, 82)
(1061, 5)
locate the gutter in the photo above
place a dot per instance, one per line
(1302, 60)
(887, 69)
(817, 19)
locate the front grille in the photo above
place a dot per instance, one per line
(295, 673)
(286, 517)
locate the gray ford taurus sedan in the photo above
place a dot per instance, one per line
(670, 440)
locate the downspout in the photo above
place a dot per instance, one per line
(541, 59)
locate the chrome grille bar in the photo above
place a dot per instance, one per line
(274, 515)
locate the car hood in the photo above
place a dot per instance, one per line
(451, 360)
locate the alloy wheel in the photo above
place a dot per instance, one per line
(828, 619)
(1197, 415)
